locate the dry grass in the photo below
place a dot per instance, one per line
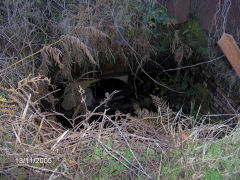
(103, 34)
(29, 137)
(34, 145)
(24, 27)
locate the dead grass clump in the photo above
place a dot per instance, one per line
(160, 144)
(94, 151)
(25, 26)
(113, 146)
(34, 144)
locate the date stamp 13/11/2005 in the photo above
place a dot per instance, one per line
(30, 160)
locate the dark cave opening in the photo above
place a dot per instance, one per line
(137, 89)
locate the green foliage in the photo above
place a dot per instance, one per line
(3, 96)
(57, 16)
(194, 35)
(201, 97)
(174, 167)
(10, 145)
(7, 136)
(153, 16)
(194, 93)
(69, 6)
(183, 83)
(217, 159)
(213, 152)
(112, 167)
(213, 175)
(187, 82)
(115, 167)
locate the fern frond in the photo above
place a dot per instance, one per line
(43, 69)
(143, 113)
(67, 61)
(55, 53)
(92, 30)
(160, 103)
(77, 43)
(15, 99)
(158, 119)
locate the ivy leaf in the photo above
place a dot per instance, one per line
(186, 31)
(148, 31)
(6, 136)
(165, 22)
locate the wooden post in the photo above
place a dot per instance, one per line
(231, 50)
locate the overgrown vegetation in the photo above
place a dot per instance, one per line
(175, 138)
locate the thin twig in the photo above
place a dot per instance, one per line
(194, 65)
